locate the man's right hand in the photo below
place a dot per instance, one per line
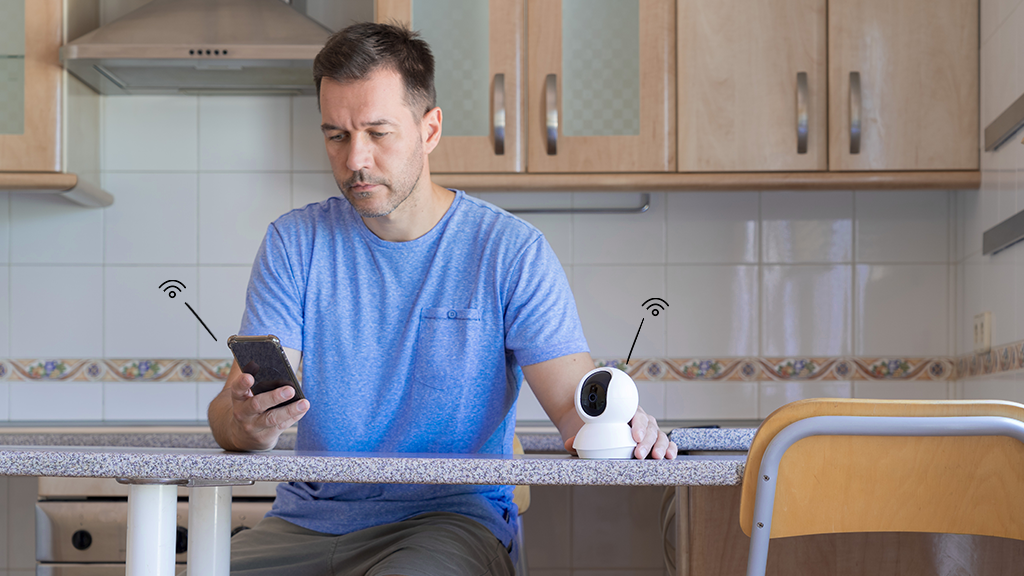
(244, 422)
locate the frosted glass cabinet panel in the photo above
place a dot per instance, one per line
(12, 66)
(753, 93)
(478, 61)
(601, 85)
(30, 75)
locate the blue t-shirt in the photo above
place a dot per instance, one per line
(411, 347)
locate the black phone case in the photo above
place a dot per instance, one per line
(265, 360)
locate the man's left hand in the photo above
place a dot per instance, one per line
(650, 440)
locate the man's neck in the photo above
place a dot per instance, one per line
(420, 212)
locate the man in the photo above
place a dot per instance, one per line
(417, 310)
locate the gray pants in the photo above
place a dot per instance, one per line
(433, 544)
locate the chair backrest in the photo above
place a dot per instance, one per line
(945, 484)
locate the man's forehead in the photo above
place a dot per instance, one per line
(375, 101)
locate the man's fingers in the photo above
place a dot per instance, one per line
(240, 387)
(651, 434)
(639, 425)
(271, 398)
(283, 417)
(568, 446)
(650, 439)
(290, 414)
(660, 448)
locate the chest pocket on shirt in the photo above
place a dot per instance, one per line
(446, 341)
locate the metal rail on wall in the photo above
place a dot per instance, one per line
(645, 204)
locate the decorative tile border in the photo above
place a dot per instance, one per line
(686, 369)
(110, 370)
(787, 369)
(998, 360)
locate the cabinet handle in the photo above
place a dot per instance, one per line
(499, 114)
(801, 112)
(551, 112)
(854, 112)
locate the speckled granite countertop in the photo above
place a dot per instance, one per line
(713, 439)
(283, 465)
(687, 439)
(189, 452)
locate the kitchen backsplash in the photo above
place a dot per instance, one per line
(792, 282)
(994, 283)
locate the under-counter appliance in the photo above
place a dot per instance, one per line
(82, 523)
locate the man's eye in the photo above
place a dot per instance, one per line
(378, 134)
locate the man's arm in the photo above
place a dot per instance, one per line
(243, 422)
(554, 383)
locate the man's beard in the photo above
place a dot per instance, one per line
(398, 192)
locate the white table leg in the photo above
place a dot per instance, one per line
(152, 527)
(209, 531)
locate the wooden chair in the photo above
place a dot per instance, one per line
(837, 465)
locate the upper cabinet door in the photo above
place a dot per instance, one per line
(478, 75)
(601, 85)
(30, 85)
(903, 84)
(752, 85)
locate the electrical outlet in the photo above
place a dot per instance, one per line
(982, 333)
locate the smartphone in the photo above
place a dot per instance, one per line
(264, 359)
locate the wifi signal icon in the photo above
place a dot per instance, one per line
(173, 287)
(655, 306)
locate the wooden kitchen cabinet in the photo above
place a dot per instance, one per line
(913, 92)
(601, 85)
(917, 63)
(49, 121)
(478, 53)
(30, 85)
(610, 100)
(752, 84)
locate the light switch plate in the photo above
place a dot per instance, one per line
(982, 332)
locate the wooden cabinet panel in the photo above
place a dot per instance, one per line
(38, 148)
(476, 153)
(652, 147)
(738, 88)
(918, 66)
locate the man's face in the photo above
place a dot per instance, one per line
(374, 141)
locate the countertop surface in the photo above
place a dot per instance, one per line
(198, 436)
(285, 465)
(190, 453)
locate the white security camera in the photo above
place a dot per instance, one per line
(606, 400)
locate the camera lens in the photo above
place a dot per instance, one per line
(594, 395)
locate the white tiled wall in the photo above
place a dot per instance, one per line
(198, 178)
(994, 283)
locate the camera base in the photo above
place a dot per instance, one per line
(604, 441)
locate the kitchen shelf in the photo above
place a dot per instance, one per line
(67, 185)
(706, 181)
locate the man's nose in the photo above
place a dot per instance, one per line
(360, 156)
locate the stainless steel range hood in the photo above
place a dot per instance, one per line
(200, 46)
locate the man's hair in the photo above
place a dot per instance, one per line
(361, 49)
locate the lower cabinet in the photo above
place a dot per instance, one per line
(717, 546)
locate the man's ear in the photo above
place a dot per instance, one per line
(430, 126)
